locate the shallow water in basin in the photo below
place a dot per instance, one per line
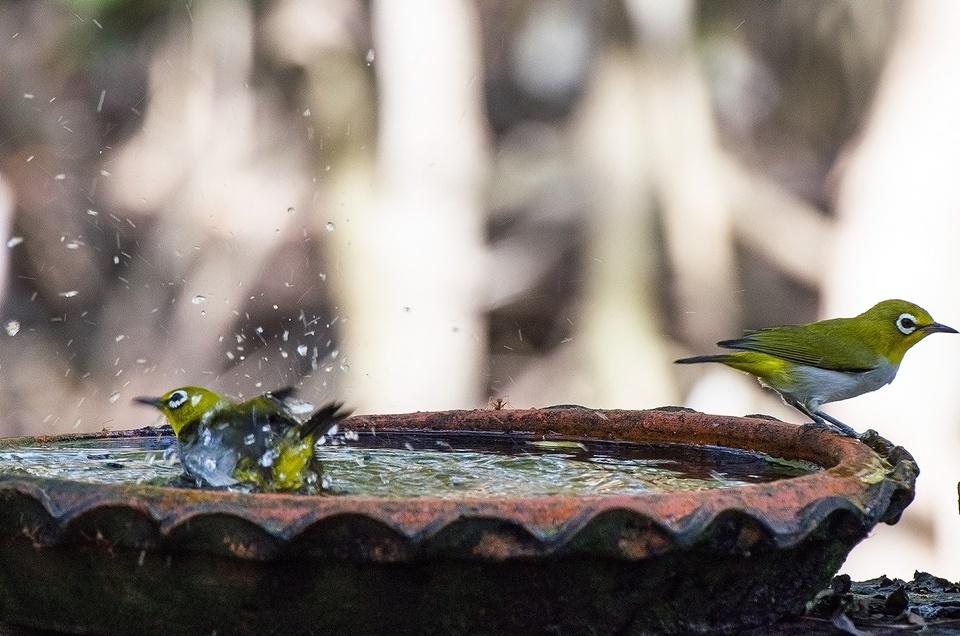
(393, 464)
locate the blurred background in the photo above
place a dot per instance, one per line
(433, 204)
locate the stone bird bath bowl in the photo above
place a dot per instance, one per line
(132, 559)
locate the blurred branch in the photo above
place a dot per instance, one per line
(516, 263)
(787, 230)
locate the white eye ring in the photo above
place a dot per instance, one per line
(177, 399)
(906, 323)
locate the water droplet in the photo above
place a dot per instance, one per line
(249, 439)
(13, 241)
(267, 458)
(114, 397)
(302, 350)
(199, 299)
(12, 327)
(291, 210)
(330, 226)
(92, 212)
(370, 56)
(69, 294)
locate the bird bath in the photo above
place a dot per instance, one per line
(510, 521)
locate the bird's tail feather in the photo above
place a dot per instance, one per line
(324, 419)
(719, 357)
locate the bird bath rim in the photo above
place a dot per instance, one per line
(870, 480)
(115, 559)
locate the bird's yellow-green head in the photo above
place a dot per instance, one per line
(184, 405)
(891, 327)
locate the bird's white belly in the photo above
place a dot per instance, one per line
(814, 386)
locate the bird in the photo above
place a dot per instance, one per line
(812, 364)
(261, 443)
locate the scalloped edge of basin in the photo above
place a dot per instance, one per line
(168, 559)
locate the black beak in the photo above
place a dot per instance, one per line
(152, 401)
(935, 327)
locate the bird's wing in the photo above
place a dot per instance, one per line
(324, 419)
(821, 348)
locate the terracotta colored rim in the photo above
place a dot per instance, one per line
(869, 480)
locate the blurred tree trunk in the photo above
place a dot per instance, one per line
(899, 234)
(632, 161)
(624, 360)
(686, 167)
(412, 292)
(342, 130)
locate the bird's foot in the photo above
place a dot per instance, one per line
(835, 424)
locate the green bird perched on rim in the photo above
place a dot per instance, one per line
(260, 442)
(810, 365)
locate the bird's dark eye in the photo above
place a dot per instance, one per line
(176, 399)
(907, 324)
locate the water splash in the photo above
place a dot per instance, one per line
(12, 327)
